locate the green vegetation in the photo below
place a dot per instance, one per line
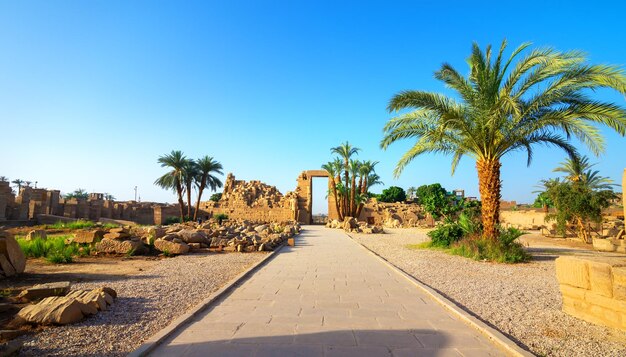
(392, 194)
(579, 198)
(184, 174)
(80, 224)
(504, 106)
(171, 220)
(221, 217)
(216, 197)
(543, 201)
(77, 194)
(446, 234)
(53, 249)
(358, 176)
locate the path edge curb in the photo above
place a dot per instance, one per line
(157, 339)
(503, 342)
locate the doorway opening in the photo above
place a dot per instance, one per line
(319, 196)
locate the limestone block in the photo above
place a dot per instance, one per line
(619, 283)
(572, 292)
(36, 233)
(601, 278)
(88, 237)
(59, 310)
(573, 271)
(603, 245)
(41, 291)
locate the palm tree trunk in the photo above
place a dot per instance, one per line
(489, 187)
(353, 197)
(333, 188)
(195, 214)
(346, 199)
(181, 203)
(188, 201)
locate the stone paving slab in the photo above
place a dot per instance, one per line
(326, 297)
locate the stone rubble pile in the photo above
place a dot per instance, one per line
(182, 238)
(58, 305)
(12, 259)
(613, 237)
(398, 214)
(351, 225)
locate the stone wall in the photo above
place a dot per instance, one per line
(594, 289)
(523, 219)
(7, 199)
(395, 215)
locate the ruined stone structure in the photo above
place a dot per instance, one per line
(304, 191)
(34, 202)
(252, 200)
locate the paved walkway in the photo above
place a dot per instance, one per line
(326, 297)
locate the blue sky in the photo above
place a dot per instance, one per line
(92, 92)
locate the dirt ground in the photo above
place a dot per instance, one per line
(83, 269)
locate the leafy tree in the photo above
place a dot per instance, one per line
(543, 201)
(393, 194)
(505, 106)
(216, 197)
(578, 203)
(174, 179)
(79, 194)
(437, 201)
(207, 167)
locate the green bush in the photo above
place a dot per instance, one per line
(216, 197)
(171, 220)
(392, 194)
(504, 250)
(80, 224)
(446, 234)
(221, 217)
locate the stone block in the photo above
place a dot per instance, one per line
(41, 291)
(601, 278)
(573, 271)
(88, 237)
(619, 283)
(604, 245)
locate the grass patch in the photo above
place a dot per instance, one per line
(504, 250)
(80, 224)
(53, 249)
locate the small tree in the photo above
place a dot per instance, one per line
(216, 197)
(577, 203)
(543, 201)
(393, 194)
(437, 201)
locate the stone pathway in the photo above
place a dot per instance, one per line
(326, 297)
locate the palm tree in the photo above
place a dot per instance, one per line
(189, 175)
(578, 169)
(18, 183)
(333, 171)
(174, 179)
(543, 98)
(365, 171)
(206, 167)
(3, 179)
(345, 151)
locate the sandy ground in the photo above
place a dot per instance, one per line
(521, 300)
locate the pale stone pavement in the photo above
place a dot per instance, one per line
(326, 297)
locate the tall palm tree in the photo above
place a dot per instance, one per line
(176, 162)
(578, 169)
(18, 183)
(3, 179)
(333, 171)
(365, 171)
(189, 174)
(354, 168)
(345, 151)
(207, 167)
(542, 98)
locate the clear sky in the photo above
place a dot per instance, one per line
(92, 92)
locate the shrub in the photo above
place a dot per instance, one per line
(504, 250)
(216, 197)
(392, 194)
(446, 234)
(59, 257)
(171, 220)
(221, 217)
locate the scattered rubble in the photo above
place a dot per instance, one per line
(350, 224)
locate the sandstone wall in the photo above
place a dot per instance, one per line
(251, 200)
(394, 215)
(523, 219)
(594, 289)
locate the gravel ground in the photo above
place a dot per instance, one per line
(146, 303)
(522, 300)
